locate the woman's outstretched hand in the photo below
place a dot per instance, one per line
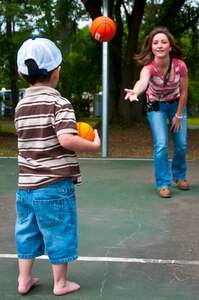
(131, 95)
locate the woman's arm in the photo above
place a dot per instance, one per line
(177, 122)
(139, 87)
(183, 95)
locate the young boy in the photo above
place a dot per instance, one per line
(48, 168)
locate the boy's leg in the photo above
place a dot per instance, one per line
(25, 279)
(29, 240)
(61, 284)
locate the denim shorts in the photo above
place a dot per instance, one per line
(47, 221)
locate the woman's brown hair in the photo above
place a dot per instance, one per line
(146, 55)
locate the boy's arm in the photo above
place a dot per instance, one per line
(75, 143)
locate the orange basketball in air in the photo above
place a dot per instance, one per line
(103, 29)
(85, 131)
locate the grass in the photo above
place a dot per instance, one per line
(7, 152)
(93, 121)
(193, 121)
(130, 141)
(7, 125)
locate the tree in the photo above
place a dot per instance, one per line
(82, 71)
(7, 44)
(58, 19)
(132, 25)
(13, 15)
(21, 20)
(120, 69)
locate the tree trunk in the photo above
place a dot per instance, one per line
(127, 110)
(120, 77)
(115, 65)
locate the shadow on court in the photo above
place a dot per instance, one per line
(133, 245)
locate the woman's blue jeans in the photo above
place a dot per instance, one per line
(159, 126)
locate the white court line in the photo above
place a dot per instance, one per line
(105, 158)
(96, 158)
(121, 260)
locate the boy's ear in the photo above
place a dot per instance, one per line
(57, 71)
(20, 74)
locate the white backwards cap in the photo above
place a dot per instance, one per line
(43, 51)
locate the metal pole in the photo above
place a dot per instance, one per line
(105, 89)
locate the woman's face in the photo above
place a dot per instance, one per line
(160, 45)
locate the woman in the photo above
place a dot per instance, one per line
(164, 78)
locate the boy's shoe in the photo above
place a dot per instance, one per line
(165, 192)
(182, 184)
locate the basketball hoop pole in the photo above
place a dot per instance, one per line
(105, 89)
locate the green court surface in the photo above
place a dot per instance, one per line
(133, 245)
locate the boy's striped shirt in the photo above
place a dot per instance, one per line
(40, 117)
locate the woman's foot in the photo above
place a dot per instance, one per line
(69, 287)
(24, 288)
(182, 184)
(165, 192)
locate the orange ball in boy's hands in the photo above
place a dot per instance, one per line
(85, 131)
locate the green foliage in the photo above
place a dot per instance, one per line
(57, 20)
(185, 29)
(193, 98)
(84, 64)
(190, 46)
(83, 70)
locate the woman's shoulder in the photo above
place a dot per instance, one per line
(180, 65)
(178, 62)
(151, 66)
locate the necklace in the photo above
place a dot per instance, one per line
(162, 70)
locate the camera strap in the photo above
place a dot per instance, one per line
(168, 73)
(166, 78)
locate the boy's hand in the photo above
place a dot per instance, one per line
(97, 139)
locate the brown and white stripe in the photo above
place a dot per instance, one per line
(40, 117)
